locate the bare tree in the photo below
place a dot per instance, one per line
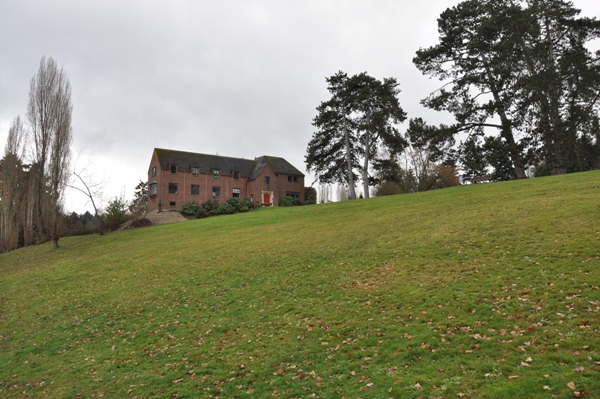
(89, 185)
(49, 116)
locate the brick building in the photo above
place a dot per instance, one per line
(176, 177)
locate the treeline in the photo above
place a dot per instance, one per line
(520, 81)
(34, 169)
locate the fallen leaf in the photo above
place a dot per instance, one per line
(529, 360)
(546, 375)
(571, 385)
(577, 394)
(579, 369)
(510, 377)
(417, 386)
(523, 364)
(546, 387)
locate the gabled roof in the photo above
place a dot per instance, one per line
(206, 163)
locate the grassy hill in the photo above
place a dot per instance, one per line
(483, 291)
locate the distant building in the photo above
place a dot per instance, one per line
(176, 177)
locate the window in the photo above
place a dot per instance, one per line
(217, 173)
(154, 171)
(153, 189)
(172, 188)
(236, 193)
(292, 194)
(172, 203)
(216, 192)
(195, 189)
(267, 180)
(293, 179)
(252, 198)
(173, 169)
(236, 175)
(195, 171)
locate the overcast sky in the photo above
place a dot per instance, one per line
(238, 78)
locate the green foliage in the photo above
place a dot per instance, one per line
(235, 203)
(360, 118)
(225, 209)
(517, 67)
(289, 201)
(115, 214)
(310, 195)
(210, 206)
(190, 208)
(244, 209)
(201, 213)
(461, 285)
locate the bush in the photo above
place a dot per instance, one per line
(286, 201)
(248, 203)
(210, 207)
(201, 213)
(388, 188)
(235, 203)
(289, 201)
(190, 208)
(224, 209)
(310, 195)
(244, 209)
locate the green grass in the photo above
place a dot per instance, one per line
(430, 295)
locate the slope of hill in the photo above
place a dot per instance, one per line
(476, 291)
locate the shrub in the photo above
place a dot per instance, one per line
(235, 203)
(289, 201)
(247, 202)
(388, 188)
(210, 206)
(224, 209)
(244, 209)
(201, 213)
(310, 195)
(286, 201)
(190, 208)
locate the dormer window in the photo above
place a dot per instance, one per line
(216, 173)
(195, 171)
(267, 180)
(236, 175)
(173, 169)
(153, 171)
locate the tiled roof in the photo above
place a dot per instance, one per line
(206, 163)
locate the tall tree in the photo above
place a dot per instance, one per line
(478, 67)
(562, 79)
(49, 116)
(525, 64)
(333, 152)
(378, 112)
(358, 120)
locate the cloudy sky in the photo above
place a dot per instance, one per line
(238, 78)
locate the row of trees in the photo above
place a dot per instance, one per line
(520, 81)
(518, 78)
(34, 169)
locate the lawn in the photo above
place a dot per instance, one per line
(481, 291)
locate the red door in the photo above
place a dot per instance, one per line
(267, 199)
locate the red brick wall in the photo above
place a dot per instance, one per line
(278, 185)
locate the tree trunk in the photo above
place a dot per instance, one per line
(506, 131)
(366, 166)
(349, 161)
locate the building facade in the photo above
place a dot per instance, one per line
(177, 177)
